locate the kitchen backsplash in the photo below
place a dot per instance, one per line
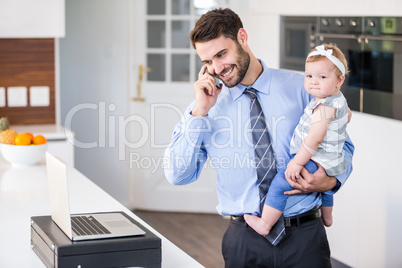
(27, 81)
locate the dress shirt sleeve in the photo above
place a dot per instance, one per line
(186, 154)
(349, 149)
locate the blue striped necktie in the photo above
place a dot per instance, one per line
(264, 159)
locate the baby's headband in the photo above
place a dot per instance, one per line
(328, 53)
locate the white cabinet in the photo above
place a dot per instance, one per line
(367, 210)
(32, 19)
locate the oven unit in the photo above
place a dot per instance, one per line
(373, 48)
(298, 35)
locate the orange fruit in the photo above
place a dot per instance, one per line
(30, 134)
(39, 139)
(23, 139)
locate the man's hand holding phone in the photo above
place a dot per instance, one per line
(206, 92)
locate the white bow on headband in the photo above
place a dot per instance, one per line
(328, 53)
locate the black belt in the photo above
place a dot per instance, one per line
(294, 220)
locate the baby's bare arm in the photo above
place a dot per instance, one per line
(322, 116)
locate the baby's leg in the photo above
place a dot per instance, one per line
(327, 199)
(264, 224)
(326, 208)
(257, 224)
(327, 215)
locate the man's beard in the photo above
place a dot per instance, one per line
(243, 62)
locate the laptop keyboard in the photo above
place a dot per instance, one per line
(87, 225)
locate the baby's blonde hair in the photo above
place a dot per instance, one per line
(336, 52)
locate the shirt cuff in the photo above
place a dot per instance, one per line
(337, 186)
(191, 113)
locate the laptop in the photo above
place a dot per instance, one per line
(82, 226)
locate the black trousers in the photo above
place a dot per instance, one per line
(305, 245)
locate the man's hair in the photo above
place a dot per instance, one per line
(214, 24)
(335, 52)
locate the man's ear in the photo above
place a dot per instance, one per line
(242, 36)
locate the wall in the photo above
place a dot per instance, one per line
(365, 231)
(93, 81)
(32, 19)
(28, 63)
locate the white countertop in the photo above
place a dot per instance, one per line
(49, 131)
(24, 193)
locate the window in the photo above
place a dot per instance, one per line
(170, 54)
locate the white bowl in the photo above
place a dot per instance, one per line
(23, 155)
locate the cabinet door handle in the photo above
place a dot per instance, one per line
(141, 70)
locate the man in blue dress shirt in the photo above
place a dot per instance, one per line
(216, 125)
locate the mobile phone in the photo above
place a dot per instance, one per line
(217, 81)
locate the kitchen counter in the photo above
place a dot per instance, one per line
(24, 193)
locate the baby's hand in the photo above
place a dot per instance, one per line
(293, 170)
